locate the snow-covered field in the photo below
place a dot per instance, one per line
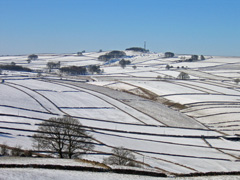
(23, 174)
(185, 137)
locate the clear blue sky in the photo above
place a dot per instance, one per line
(208, 27)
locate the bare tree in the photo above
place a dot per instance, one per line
(169, 54)
(65, 135)
(16, 151)
(123, 63)
(202, 57)
(194, 57)
(33, 57)
(29, 61)
(4, 150)
(237, 80)
(53, 65)
(121, 156)
(79, 53)
(183, 75)
(94, 68)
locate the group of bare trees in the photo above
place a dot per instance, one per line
(112, 55)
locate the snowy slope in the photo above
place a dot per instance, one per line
(186, 140)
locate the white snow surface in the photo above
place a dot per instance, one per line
(36, 174)
(210, 96)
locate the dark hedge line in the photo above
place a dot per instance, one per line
(14, 68)
(80, 168)
(111, 55)
(137, 49)
(119, 171)
(209, 174)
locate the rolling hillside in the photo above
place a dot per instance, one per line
(173, 126)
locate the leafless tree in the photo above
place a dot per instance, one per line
(53, 65)
(183, 76)
(121, 156)
(17, 151)
(33, 57)
(4, 150)
(64, 135)
(237, 80)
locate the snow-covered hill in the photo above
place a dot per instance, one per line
(173, 126)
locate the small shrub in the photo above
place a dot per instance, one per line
(236, 80)
(16, 151)
(53, 65)
(194, 57)
(111, 55)
(79, 53)
(169, 54)
(15, 68)
(94, 69)
(134, 67)
(123, 63)
(28, 153)
(74, 70)
(33, 57)
(159, 77)
(202, 57)
(121, 157)
(4, 150)
(167, 67)
(137, 49)
(183, 76)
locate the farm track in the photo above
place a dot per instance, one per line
(223, 122)
(212, 103)
(206, 91)
(218, 149)
(207, 108)
(32, 110)
(216, 114)
(14, 85)
(222, 84)
(81, 88)
(206, 115)
(155, 95)
(195, 87)
(182, 165)
(205, 75)
(7, 84)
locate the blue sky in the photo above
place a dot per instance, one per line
(208, 27)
